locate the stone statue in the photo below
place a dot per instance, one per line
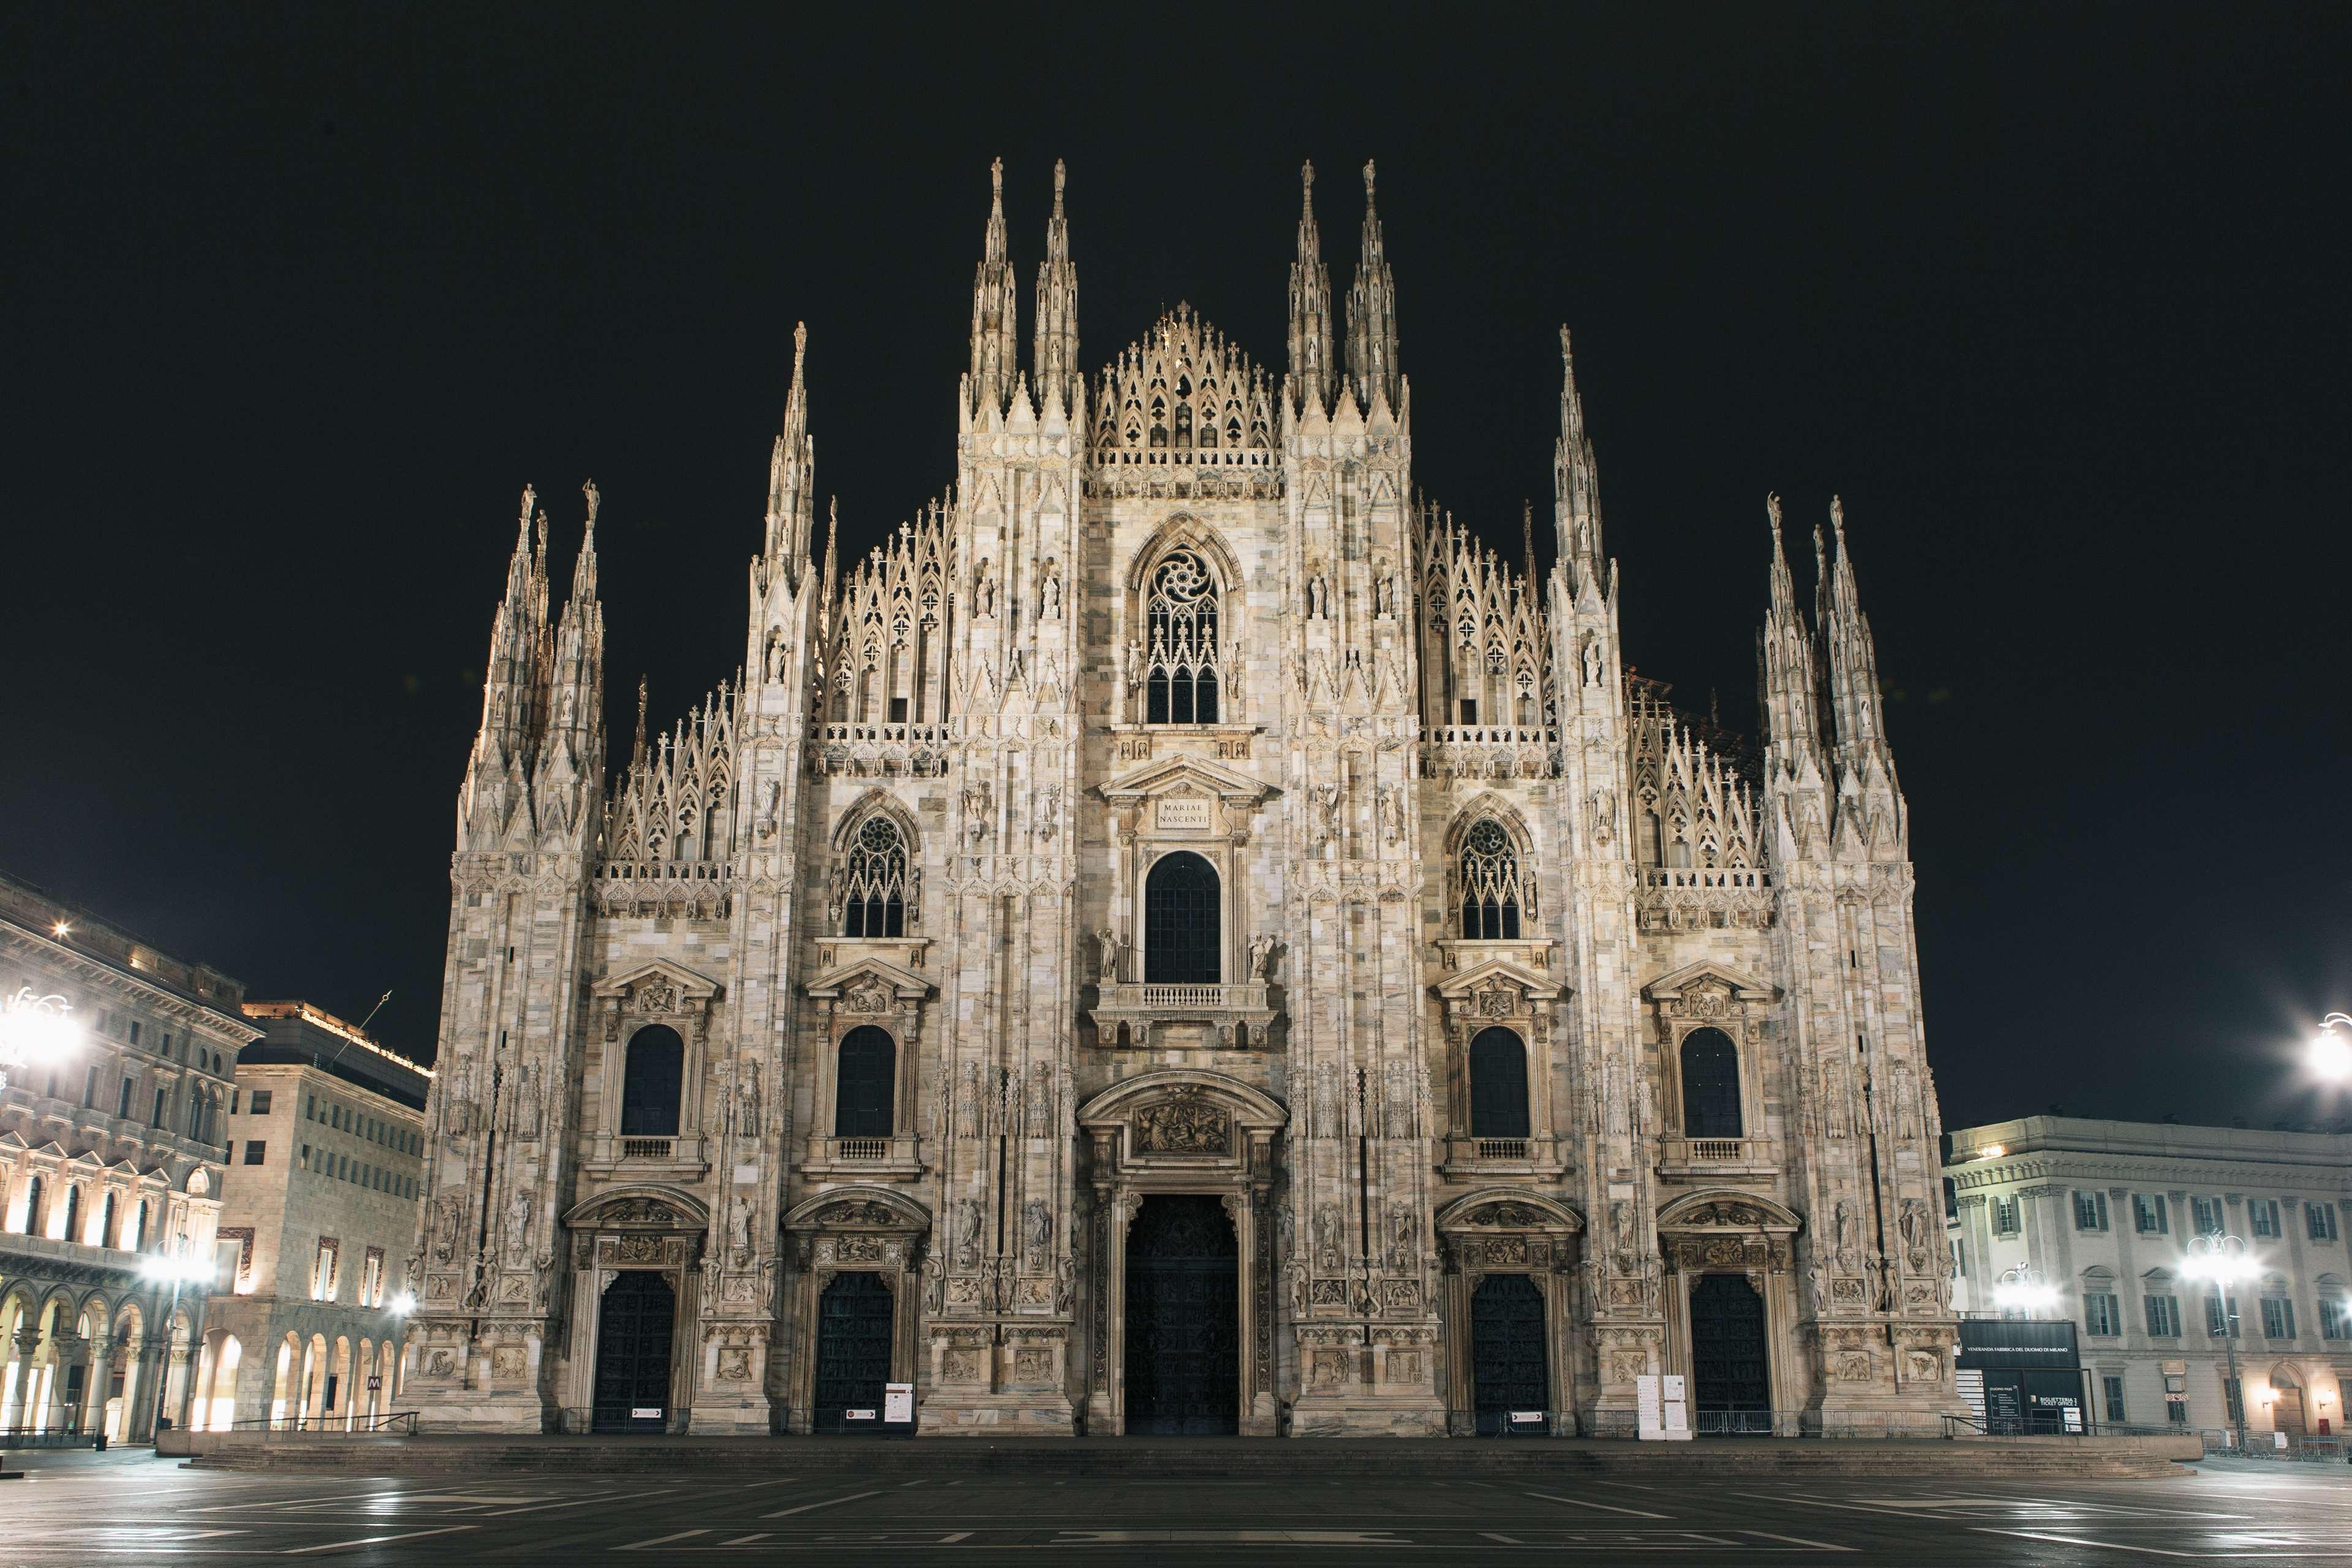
(1592, 661)
(1391, 816)
(1037, 1220)
(1052, 593)
(448, 1212)
(1621, 1234)
(1916, 1249)
(1260, 954)
(1848, 1238)
(740, 1237)
(1326, 1238)
(968, 1231)
(1108, 940)
(771, 794)
(747, 1101)
(519, 1228)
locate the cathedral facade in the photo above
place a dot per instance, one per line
(1181, 938)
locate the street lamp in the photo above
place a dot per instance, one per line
(180, 1268)
(35, 1031)
(2331, 1050)
(2221, 1261)
(2023, 1292)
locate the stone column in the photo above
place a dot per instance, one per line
(20, 1379)
(66, 1349)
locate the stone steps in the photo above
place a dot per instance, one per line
(1229, 1458)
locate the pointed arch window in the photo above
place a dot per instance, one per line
(1492, 890)
(864, 1096)
(1181, 678)
(875, 901)
(1710, 1064)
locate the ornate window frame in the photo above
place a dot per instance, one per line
(1703, 996)
(1502, 993)
(846, 830)
(867, 990)
(670, 994)
(1181, 534)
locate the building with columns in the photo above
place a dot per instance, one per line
(110, 1159)
(2107, 1214)
(1183, 936)
(326, 1146)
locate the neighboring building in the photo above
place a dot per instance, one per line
(2104, 1211)
(326, 1155)
(110, 1159)
(1185, 936)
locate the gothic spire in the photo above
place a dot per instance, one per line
(511, 689)
(1057, 358)
(1372, 315)
(1785, 654)
(792, 472)
(638, 748)
(1852, 655)
(994, 309)
(1311, 309)
(575, 727)
(1576, 477)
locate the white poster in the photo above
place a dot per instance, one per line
(897, 1401)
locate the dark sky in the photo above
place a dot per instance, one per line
(298, 298)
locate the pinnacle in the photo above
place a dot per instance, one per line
(1060, 174)
(589, 489)
(799, 347)
(1368, 179)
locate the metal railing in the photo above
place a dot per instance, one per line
(395, 1422)
(63, 1436)
(1503, 1148)
(1508, 1423)
(861, 1148)
(647, 1148)
(1733, 1423)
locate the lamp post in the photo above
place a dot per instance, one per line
(180, 1268)
(2331, 1048)
(2222, 1260)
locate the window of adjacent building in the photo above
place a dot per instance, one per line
(2175, 1409)
(306, 1156)
(322, 1272)
(874, 900)
(106, 1232)
(2233, 1394)
(2089, 1211)
(2205, 1215)
(1498, 1085)
(865, 1084)
(2334, 1315)
(650, 1079)
(138, 1227)
(2221, 1319)
(2163, 1317)
(159, 1108)
(122, 1109)
(2004, 1216)
(260, 1102)
(90, 1088)
(31, 1225)
(73, 1214)
(2111, 1386)
(2147, 1214)
(2278, 1318)
(309, 1107)
(2263, 1216)
(371, 1279)
(134, 1031)
(255, 1150)
(2101, 1316)
(1710, 1071)
(2319, 1220)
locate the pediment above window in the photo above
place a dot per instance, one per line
(1180, 774)
(1503, 974)
(1708, 977)
(659, 987)
(866, 983)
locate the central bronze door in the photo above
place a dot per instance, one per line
(1509, 1372)
(1183, 1319)
(1731, 1391)
(852, 1351)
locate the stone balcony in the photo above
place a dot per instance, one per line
(1470, 1158)
(1183, 1018)
(893, 1159)
(643, 1158)
(1714, 1159)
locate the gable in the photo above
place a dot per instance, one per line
(1168, 775)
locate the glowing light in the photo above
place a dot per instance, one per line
(403, 1303)
(35, 1030)
(2331, 1049)
(62, 930)
(2020, 1291)
(167, 1267)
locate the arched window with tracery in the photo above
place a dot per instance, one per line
(1710, 1064)
(1492, 890)
(1183, 922)
(874, 896)
(1180, 683)
(865, 1087)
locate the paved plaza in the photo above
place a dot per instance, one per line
(127, 1507)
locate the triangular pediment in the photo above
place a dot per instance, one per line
(691, 986)
(10, 1141)
(1165, 775)
(1695, 976)
(1499, 972)
(904, 984)
(87, 1160)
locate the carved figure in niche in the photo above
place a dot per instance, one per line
(1048, 813)
(1326, 812)
(1065, 1285)
(1037, 1221)
(517, 1228)
(1053, 596)
(968, 1102)
(771, 792)
(1837, 1108)
(1387, 590)
(1621, 1234)
(1391, 816)
(447, 1214)
(1915, 1250)
(1316, 594)
(1260, 954)
(968, 1231)
(747, 1101)
(1614, 1098)
(1648, 1108)
(1591, 660)
(1400, 1237)
(983, 592)
(1848, 1238)
(1108, 941)
(1286, 1229)
(1326, 1238)
(739, 1237)
(935, 1283)
(975, 811)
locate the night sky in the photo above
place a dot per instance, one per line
(299, 299)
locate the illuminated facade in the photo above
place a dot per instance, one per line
(1181, 937)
